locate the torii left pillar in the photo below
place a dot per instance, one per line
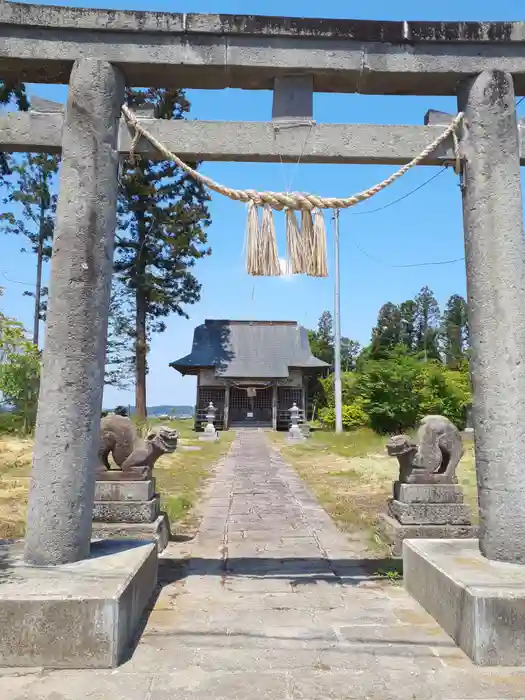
(68, 423)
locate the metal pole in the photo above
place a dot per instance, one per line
(337, 331)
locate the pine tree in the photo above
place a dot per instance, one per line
(387, 331)
(408, 310)
(455, 330)
(34, 190)
(119, 369)
(322, 339)
(350, 350)
(162, 213)
(427, 322)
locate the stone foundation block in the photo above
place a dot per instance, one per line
(125, 490)
(427, 493)
(81, 615)
(479, 603)
(394, 533)
(430, 513)
(126, 512)
(158, 531)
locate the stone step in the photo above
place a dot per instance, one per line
(157, 531)
(430, 513)
(126, 512)
(428, 493)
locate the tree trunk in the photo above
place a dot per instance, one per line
(38, 292)
(140, 359)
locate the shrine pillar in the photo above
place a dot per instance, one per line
(62, 486)
(495, 262)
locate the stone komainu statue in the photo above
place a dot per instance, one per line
(433, 459)
(118, 437)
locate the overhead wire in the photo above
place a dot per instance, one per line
(390, 204)
(400, 199)
(25, 284)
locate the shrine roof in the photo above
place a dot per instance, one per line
(249, 349)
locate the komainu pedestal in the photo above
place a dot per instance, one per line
(126, 504)
(128, 508)
(427, 501)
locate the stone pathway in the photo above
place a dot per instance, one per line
(274, 605)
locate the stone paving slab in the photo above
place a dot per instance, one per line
(277, 612)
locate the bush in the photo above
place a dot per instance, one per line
(11, 423)
(354, 416)
(397, 393)
(444, 392)
(348, 380)
(19, 371)
(388, 392)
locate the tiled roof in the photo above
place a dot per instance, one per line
(254, 349)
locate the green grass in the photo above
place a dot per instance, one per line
(352, 476)
(179, 477)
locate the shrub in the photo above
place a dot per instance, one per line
(397, 393)
(387, 390)
(354, 416)
(348, 380)
(11, 423)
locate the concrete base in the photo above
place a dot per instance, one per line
(124, 490)
(127, 511)
(394, 533)
(158, 531)
(427, 493)
(430, 513)
(80, 615)
(479, 603)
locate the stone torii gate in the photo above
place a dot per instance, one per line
(98, 52)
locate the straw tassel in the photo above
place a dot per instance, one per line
(319, 267)
(307, 235)
(294, 244)
(253, 241)
(269, 261)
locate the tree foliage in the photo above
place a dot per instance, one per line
(386, 334)
(323, 347)
(416, 364)
(120, 365)
(427, 321)
(162, 215)
(454, 331)
(11, 92)
(32, 188)
(19, 371)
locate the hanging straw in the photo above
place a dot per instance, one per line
(253, 241)
(318, 265)
(307, 235)
(269, 257)
(294, 244)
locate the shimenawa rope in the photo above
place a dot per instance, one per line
(308, 250)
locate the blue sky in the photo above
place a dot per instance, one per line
(425, 227)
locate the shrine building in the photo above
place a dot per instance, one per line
(252, 371)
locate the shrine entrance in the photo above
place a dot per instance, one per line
(251, 406)
(480, 63)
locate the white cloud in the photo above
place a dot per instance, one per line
(286, 269)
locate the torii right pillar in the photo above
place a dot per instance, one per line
(495, 260)
(475, 589)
